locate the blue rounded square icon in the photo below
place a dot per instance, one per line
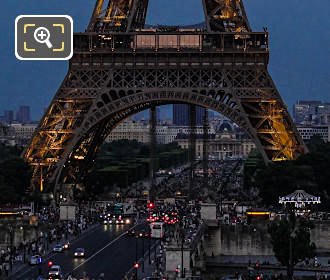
(43, 37)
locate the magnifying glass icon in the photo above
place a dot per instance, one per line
(42, 35)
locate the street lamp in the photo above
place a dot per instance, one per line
(292, 236)
(136, 256)
(149, 245)
(11, 247)
(142, 254)
(182, 233)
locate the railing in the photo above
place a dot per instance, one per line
(142, 41)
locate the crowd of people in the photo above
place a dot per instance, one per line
(49, 231)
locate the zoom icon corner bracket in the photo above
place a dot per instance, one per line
(44, 37)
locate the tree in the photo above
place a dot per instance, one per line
(15, 176)
(296, 232)
(309, 172)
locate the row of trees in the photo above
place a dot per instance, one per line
(121, 163)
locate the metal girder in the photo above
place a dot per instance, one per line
(225, 15)
(118, 15)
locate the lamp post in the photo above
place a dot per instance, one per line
(11, 247)
(182, 243)
(136, 256)
(149, 245)
(292, 236)
(142, 254)
(22, 228)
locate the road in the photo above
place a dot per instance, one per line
(108, 250)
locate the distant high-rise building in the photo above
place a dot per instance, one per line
(311, 112)
(181, 114)
(211, 115)
(23, 114)
(158, 114)
(9, 116)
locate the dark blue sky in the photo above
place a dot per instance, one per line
(299, 36)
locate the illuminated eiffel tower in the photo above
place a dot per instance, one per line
(119, 68)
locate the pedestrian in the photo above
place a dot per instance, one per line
(7, 269)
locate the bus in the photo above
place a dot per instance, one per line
(157, 230)
(123, 213)
(123, 209)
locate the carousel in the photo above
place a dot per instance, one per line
(300, 202)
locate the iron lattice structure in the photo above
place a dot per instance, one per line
(119, 69)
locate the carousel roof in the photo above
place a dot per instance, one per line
(299, 195)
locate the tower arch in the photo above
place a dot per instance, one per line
(119, 69)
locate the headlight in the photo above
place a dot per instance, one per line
(128, 221)
(56, 273)
(75, 254)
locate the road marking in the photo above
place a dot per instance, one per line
(99, 251)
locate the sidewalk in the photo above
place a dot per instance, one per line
(18, 267)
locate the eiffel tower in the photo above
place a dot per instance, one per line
(119, 68)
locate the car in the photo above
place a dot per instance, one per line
(79, 252)
(58, 248)
(120, 220)
(35, 260)
(66, 245)
(55, 272)
(131, 232)
(108, 221)
(143, 234)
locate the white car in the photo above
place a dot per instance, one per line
(58, 248)
(55, 272)
(35, 260)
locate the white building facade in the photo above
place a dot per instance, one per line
(308, 131)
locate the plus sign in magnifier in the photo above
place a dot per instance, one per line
(42, 35)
